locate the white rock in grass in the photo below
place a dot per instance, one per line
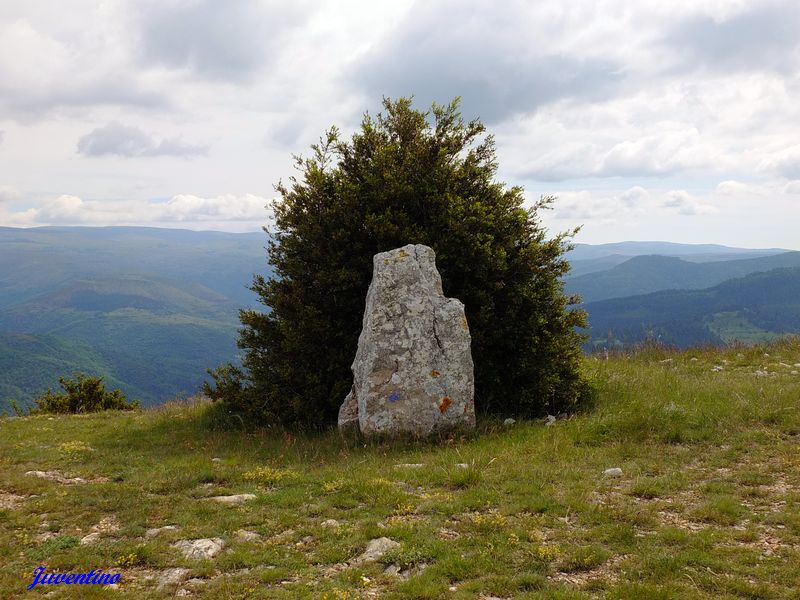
(92, 538)
(409, 466)
(508, 422)
(151, 533)
(169, 577)
(376, 549)
(330, 523)
(204, 548)
(234, 500)
(613, 472)
(247, 536)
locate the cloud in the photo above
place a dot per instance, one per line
(208, 40)
(634, 196)
(185, 209)
(8, 194)
(785, 163)
(656, 155)
(685, 204)
(791, 187)
(2, 136)
(120, 140)
(498, 61)
(762, 36)
(42, 71)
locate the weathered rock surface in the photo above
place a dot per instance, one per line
(247, 536)
(376, 549)
(233, 500)
(613, 472)
(413, 370)
(170, 577)
(156, 531)
(200, 549)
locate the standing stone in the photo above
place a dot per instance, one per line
(413, 370)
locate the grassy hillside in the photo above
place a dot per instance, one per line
(758, 307)
(706, 506)
(646, 274)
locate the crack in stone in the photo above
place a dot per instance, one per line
(436, 333)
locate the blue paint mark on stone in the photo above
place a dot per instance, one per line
(394, 397)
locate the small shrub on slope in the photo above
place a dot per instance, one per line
(84, 394)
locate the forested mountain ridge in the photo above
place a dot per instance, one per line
(758, 307)
(652, 273)
(148, 309)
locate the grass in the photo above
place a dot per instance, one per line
(708, 505)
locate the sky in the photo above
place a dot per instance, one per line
(649, 120)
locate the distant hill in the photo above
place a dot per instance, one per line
(39, 260)
(590, 258)
(758, 307)
(645, 274)
(148, 309)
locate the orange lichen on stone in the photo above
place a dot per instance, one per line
(435, 373)
(466, 326)
(445, 404)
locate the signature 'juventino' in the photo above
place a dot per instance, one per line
(96, 577)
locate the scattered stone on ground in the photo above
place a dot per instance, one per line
(233, 500)
(330, 523)
(549, 421)
(461, 465)
(216, 460)
(508, 422)
(613, 472)
(410, 489)
(448, 534)
(91, 538)
(170, 577)
(409, 465)
(247, 536)
(200, 549)
(396, 571)
(62, 479)
(674, 519)
(413, 369)
(156, 531)
(282, 537)
(376, 549)
(10, 501)
(109, 524)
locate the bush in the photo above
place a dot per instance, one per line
(84, 394)
(406, 177)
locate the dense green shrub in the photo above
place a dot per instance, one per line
(406, 177)
(84, 394)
